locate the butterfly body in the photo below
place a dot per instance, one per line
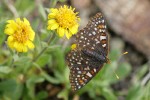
(95, 56)
(86, 60)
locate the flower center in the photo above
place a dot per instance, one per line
(66, 17)
(21, 35)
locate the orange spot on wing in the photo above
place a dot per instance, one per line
(103, 41)
(103, 34)
(101, 26)
(92, 72)
(81, 81)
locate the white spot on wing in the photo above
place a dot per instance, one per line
(89, 74)
(78, 75)
(94, 70)
(97, 42)
(102, 37)
(82, 37)
(93, 32)
(104, 45)
(78, 63)
(103, 21)
(79, 72)
(79, 87)
(103, 30)
(77, 68)
(100, 30)
(95, 29)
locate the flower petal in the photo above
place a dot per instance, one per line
(53, 13)
(20, 47)
(31, 35)
(17, 46)
(29, 44)
(9, 31)
(53, 10)
(26, 21)
(18, 20)
(68, 35)
(74, 29)
(54, 26)
(61, 31)
(10, 27)
(51, 21)
(24, 48)
(10, 42)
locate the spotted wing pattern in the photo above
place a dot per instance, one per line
(90, 54)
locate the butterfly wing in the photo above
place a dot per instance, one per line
(94, 35)
(94, 38)
(82, 69)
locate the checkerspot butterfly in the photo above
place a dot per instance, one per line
(90, 54)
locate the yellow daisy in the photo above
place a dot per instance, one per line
(64, 20)
(21, 35)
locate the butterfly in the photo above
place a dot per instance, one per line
(90, 54)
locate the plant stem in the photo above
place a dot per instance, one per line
(48, 42)
(12, 62)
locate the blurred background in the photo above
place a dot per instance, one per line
(128, 23)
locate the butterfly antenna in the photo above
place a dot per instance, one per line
(122, 55)
(114, 71)
(116, 75)
(125, 53)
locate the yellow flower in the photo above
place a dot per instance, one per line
(64, 20)
(73, 46)
(20, 34)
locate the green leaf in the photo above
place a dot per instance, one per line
(42, 11)
(43, 60)
(141, 71)
(62, 0)
(44, 44)
(53, 3)
(25, 7)
(31, 82)
(108, 94)
(59, 59)
(5, 69)
(135, 92)
(50, 78)
(114, 55)
(42, 95)
(146, 93)
(2, 35)
(22, 62)
(123, 70)
(63, 94)
(10, 88)
(45, 34)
